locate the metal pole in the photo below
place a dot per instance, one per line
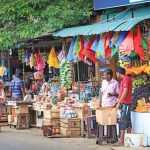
(78, 79)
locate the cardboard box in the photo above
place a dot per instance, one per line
(70, 132)
(54, 122)
(39, 122)
(49, 114)
(22, 109)
(83, 112)
(56, 130)
(106, 116)
(70, 122)
(10, 118)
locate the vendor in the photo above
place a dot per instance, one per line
(109, 89)
(46, 86)
(2, 93)
(17, 88)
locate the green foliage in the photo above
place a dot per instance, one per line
(26, 19)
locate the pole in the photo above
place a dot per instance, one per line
(78, 78)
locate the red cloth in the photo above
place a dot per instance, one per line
(40, 63)
(81, 56)
(126, 83)
(106, 45)
(88, 52)
(138, 47)
(127, 45)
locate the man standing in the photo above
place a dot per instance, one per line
(124, 103)
(109, 89)
(17, 88)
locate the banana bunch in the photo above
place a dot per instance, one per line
(65, 74)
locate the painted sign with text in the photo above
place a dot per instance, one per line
(104, 4)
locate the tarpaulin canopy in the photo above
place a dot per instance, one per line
(98, 28)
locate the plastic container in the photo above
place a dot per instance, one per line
(133, 139)
(148, 140)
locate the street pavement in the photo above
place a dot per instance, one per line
(12, 139)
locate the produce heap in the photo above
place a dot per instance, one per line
(142, 92)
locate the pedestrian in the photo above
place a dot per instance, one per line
(124, 103)
(109, 89)
(17, 88)
(2, 93)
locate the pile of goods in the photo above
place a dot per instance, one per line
(65, 74)
(137, 82)
(142, 106)
(138, 70)
(142, 91)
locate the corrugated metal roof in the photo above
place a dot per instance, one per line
(118, 25)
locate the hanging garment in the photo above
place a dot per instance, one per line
(95, 43)
(32, 60)
(2, 71)
(61, 55)
(71, 55)
(127, 45)
(40, 63)
(106, 45)
(81, 56)
(87, 39)
(77, 45)
(27, 58)
(144, 43)
(138, 47)
(53, 59)
(99, 57)
(113, 37)
(87, 50)
(100, 47)
(114, 51)
(120, 36)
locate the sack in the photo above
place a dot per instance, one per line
(27, 97)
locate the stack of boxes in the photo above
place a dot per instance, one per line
(82, 112)
(70, 127)
(52, 118)
(4, 114)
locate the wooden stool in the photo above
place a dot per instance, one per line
(22, 120)
(111, 134)
(88, 130)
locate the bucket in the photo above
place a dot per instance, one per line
(148, 140)
(133, 139)
(145, 140)
(47, 130)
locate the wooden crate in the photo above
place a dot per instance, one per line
(10, 118)
(49, 114)
(83, 112)
(4, 118)
(70, 122)
(54, 122)
(56, 130)
(70, 132)
(22, 109)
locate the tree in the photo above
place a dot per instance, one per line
(26, 19)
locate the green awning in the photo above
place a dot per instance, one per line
(98, 28)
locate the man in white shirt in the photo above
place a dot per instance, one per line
(109, 89)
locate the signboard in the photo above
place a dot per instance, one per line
(104, 4)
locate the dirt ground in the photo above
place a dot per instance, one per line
(12, 139)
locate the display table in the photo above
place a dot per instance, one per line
(140, 122)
